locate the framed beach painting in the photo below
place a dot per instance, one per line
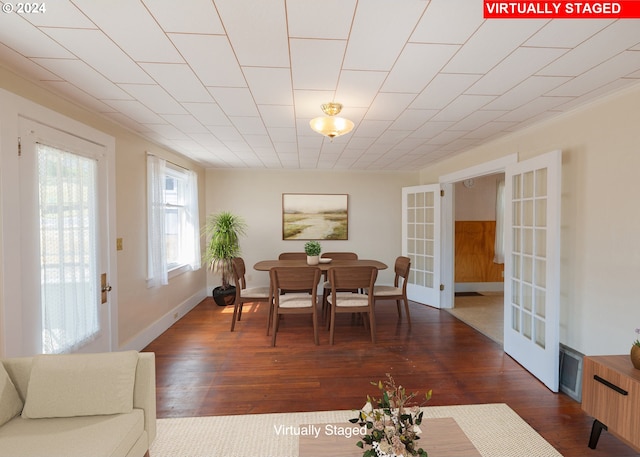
(315, 217)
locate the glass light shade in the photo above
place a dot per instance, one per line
(331, 126)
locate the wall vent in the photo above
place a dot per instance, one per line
(571, 372)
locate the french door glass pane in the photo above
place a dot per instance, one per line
(68, 249)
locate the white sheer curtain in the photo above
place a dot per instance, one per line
(192, 227)
(156, 172)
(499, 242)
(68, 249)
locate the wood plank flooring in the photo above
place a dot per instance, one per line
(204, 369)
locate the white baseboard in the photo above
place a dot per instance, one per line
(479, 287)
(153, 331)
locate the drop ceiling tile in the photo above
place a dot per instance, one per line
(24, 38)
(186, 123)
(282, 135)
(417, 66)
(370, 128)
(379, 32)
(76, 95)
(137, 111)
(442, 90)
(534, 108)
(315, 64)
(566, 34)
(208, 113)
(179, 80)
(616, 67)
(235, 101)
(514, 69)
(269, 86)
(488, 46)
(206, 140)
(249, 125)
(62, 13)
(429, 130)
(436, 24)
(168, 131)
(132, 28)
(388, 106)
(357, 89)
(224, 133)
(528, 90)
(411, 119)
(211, 59)
(84, 77)
(154, 97)
(329, 19)
(22, 65)
(198, 16)
(476, 120)
(97, 50)
(612, 40)
(257, 31)
(277, 116)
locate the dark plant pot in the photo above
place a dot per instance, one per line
(224, 297)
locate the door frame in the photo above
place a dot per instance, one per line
(447, 265)
(13, 341)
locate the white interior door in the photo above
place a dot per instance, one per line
(64, 223)
(532, 260)
(421, 242)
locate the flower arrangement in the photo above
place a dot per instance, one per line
(637, 341)
(394, 425)
(312, 248)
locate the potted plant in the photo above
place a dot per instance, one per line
(312, 249)
(223, 230)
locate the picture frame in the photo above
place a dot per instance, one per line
(315, 216)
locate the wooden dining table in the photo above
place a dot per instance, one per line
(266, 265)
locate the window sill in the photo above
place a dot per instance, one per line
(177, 271)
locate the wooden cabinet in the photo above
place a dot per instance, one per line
(611, 394)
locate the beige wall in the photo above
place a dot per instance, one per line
(600, 257)
(374, 211)
(141, 312)
(478, 202)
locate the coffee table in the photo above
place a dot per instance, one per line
(441, 437)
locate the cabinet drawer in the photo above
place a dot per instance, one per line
(613, 398)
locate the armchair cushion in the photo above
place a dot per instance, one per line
(81, 385)
(10, 402)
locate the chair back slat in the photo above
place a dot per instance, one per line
(239, 271)
(402, 269)
(360, 277)
(340, 255)
(292, 256)
(295, 278)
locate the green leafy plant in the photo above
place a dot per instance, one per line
(393, 425)
(637, 341)
(223, 230)
(312, 248)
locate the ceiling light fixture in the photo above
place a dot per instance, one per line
(330, 125)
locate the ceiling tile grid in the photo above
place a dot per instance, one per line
(234, 83)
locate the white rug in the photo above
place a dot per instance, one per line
(494, 429)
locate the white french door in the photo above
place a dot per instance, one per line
(532, 260)
(421, 242)
(64, 224)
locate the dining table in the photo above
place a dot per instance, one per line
(266, 265)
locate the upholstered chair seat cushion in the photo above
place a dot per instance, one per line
(347, 299)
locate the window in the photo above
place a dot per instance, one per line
(174, 229)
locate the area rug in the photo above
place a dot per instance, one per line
(494, 429)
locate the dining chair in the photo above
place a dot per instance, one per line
(243, 293)
(326, 290)
(297, 281)
(292, 256)
(398, 291)
(352, 278)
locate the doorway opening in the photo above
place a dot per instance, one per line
(479, 254)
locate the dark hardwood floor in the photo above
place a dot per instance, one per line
(204, 369)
